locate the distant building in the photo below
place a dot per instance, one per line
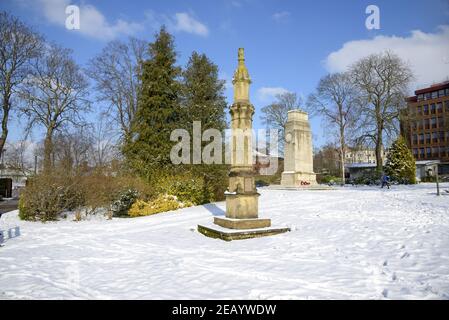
(366, 155)
(425, 123)
(12, 181)
(357, 170)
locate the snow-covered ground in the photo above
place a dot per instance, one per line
(349, 243)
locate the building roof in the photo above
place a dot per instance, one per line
(361, 165)
(434, 87)
(426, 162)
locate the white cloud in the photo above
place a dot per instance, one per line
(267, 94)
(281, 16)
(95, 25)
(426, 53)
(179, 22)
(92, 22)
(185, 22)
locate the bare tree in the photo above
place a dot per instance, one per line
(54, 94)
(336, 100)
(275, 115)
(18, 44)
(326, 159)
(16, 156)
(103, 147)
(116, 71)
(71, 148)
(382, 80)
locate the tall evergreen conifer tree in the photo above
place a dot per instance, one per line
(204, 100)
(158, 110)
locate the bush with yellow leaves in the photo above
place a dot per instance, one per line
(162, 203)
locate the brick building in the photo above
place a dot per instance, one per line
(425, 123)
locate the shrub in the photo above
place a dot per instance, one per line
(47, 196)
(126, 199)
(329, 179)
(367, 178)
(429, 179)
(162, 203)
(187, 188)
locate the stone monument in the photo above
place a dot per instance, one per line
(242, 210)
(298, 156)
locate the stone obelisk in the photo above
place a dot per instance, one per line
(242, 210)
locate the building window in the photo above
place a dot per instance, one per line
(415, 139)
(421, 138)
(427, 137)
(428, 96)
(447, 105)
(440, 122)
(421, 152)
(441, 93)
(441, 136)
(439, 107)
(415, 152)
(442, 151)
(426, 123)
(419, 108)
(426, 109)
(434, 122)
(435, 136)
(435, 151)
(434, 94)
(428, 152)
(447, 92)
(420, 97)
(432, 108)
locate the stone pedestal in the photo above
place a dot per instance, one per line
(242, 209)
(298, 156)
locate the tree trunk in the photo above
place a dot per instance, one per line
(4, 124)
(48, 150)
(342, 155)
(379, 143)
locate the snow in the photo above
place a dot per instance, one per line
(348, 243)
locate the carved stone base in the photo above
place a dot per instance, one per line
(298, 179)
(242, 206)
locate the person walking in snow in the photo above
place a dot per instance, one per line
(386, 181)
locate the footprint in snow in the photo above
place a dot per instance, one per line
(405, 255)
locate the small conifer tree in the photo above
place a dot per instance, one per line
(400, 165)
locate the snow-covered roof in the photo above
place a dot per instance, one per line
(361, 165)
(426, 162)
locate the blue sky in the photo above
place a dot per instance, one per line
(288, 45)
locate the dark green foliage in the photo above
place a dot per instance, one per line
(369, 177)
(158, 110)
(203, 94)
(203, 100)
(400, 164)
(171, 99)
(125, 200)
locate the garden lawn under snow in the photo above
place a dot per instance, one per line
(348, 243)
